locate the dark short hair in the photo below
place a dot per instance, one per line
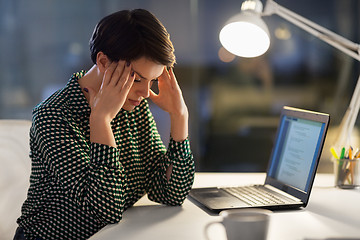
(130, 35)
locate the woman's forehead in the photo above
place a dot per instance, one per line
(147, 69)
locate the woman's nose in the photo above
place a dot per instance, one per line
(144, 91)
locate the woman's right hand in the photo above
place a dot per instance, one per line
(107, 102)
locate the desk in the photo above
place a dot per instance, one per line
(331, 213)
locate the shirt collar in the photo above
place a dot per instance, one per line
(77, 100)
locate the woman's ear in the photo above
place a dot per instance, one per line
(102, 61)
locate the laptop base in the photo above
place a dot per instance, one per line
(217, 200)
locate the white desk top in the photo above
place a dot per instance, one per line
(331, 213)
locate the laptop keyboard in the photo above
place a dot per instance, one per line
(257, 195)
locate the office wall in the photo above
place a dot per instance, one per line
(234, 105)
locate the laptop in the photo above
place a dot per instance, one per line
(291, 170)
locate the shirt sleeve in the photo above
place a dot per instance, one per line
(178, 154)
(89, 173)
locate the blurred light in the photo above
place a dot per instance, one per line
(225, 55)
(75, 48)
(252, 5)
(283, 33)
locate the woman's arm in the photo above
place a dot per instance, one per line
(88, 174)
(173, 191)
(108, 101)
(170, 99)
(162, 188)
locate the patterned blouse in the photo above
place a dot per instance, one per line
(77, 187)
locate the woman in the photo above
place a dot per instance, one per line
(95, 148)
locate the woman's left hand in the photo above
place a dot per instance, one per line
(170, 99)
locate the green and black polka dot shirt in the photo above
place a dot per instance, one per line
(77, 187)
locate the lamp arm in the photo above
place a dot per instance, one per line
(346, 46)
(348, 121)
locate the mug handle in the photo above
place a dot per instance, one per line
(207, 226)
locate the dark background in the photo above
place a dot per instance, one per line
(234, 105)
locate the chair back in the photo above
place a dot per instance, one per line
(15, 168)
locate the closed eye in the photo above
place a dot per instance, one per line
(137, 78)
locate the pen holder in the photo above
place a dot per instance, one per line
(347, 173)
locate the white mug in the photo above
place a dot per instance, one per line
(249, 224)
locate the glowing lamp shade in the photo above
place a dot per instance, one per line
(245, 35)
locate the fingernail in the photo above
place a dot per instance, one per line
(127, 64)
(86, 90)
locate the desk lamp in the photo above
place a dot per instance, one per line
(246, 35)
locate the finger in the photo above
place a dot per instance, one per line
(164, 78)
(124, 77)
(108, 73)
(170, 79)
(125, 88)
(173, 78)
(153, 96)
(117, 73)
(164, 73)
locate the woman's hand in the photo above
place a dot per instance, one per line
(107, 102)
(110, 98)
(170, 99)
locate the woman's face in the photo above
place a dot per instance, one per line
(146, 72)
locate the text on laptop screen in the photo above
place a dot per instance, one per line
(297, 147)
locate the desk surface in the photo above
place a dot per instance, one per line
(331, 213)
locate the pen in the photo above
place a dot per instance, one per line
(350, 153)
(351, 168)
(357, 155)
(333, 152)
(342, 153)
(341, 157)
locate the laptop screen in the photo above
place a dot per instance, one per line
(296, 151)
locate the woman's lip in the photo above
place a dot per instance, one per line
(135, 102)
